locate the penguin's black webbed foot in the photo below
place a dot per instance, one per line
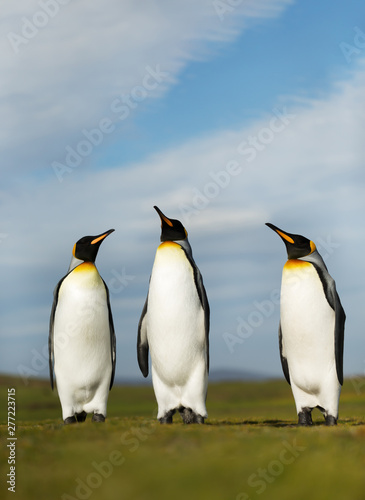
(167, 418)
(199, 419)
(80, 417)
(305, 417)
(187, 415)
(190, 417)
(330, 420)
(70, 420)
(98, 417)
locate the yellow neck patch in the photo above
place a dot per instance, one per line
(293, 264)
(85, 267)
(167, 244)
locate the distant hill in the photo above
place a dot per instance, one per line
(226, 374)
(217, 375)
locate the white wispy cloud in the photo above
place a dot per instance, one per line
(66, 65)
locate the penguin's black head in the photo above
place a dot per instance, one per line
(296, 245)
(87, 247)
(171, 229)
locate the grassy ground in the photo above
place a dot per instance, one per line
(249, 448)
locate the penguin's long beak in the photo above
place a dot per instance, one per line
(163, 217)
(285, 236)
(100, 237)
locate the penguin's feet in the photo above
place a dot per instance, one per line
(80, 417)
(199, 419)
(305, 417)
(187, 415)
(330, 420)
(190, 417)
(167, 418)
(70, 420)
(98, 417)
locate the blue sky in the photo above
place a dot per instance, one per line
(295, 53)
(199, 96)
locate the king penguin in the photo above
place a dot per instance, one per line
(311, 331)
(174, 326)
(81, 336)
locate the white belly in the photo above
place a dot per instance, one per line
(307, 324)
(82, 350)
(175, 319)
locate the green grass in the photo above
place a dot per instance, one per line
(249, 447)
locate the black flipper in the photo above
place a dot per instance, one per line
(113, 340)
(205, 304)
(142, 342)
(284, 361)
(329, 287)
(198, 279)
(51, 333)
(340, 318)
